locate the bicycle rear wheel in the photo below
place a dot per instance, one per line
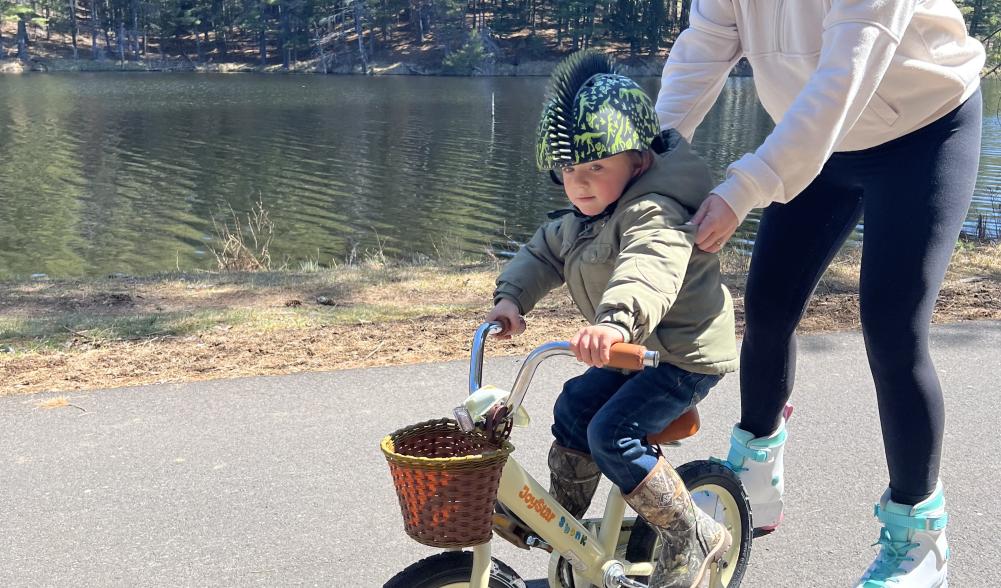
(717, 490)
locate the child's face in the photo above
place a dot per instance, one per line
(592, 186)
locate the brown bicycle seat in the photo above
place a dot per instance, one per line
(680, 428)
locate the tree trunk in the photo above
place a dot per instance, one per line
(686, 5)
(656, 15)
(22, 40)
(121, 42)
(135, 30)
(220, 44)
(73, 28)
(262, 39)
(262, 47)
(978, 11)
(318, 39)
(218, 16)
(361, 37)
(283, 35)
(574, 23)
(371, 39)
(415, 20)
(589, 31)
(95, 51)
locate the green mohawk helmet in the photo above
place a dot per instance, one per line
(592, 112)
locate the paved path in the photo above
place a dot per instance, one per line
(279, 481)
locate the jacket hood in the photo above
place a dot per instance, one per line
(677, 173)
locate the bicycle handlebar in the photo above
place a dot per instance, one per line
(624, 356)
(628, 356)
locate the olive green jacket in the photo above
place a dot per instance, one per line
(637, 269)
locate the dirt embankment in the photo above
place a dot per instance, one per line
(126, 331)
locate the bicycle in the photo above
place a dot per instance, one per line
(611, 552)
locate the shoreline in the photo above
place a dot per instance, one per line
(534, 68)
(67, 335)
(647, 67)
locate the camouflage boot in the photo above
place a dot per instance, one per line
(573, 478)
(691, 539)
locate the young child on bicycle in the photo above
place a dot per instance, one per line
(625, 251)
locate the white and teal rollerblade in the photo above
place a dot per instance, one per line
(913, 550)
(758, 462)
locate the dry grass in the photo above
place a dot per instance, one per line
(244, 243)
(974, 260)
(72, 335)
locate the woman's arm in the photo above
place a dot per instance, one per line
(859, 40)
(698, 65)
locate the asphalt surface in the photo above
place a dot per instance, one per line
(279, 481)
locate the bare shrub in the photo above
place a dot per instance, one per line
(243, 244)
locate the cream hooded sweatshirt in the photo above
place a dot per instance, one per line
(835, 75)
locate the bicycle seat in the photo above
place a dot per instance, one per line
(680, 428)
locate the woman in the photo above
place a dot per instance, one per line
(878, 113)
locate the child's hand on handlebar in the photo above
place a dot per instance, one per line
(592, 345)
(506, 313)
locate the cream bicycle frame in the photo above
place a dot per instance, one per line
(592, 557)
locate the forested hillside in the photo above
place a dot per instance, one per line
(424, 36)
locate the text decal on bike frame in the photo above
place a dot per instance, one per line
(537, 504)
(578, 535)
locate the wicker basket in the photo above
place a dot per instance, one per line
(446, 481)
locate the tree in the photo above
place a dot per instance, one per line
(262, 30)
(24, 15)
(469, 58)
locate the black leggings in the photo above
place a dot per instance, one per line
(914, 193)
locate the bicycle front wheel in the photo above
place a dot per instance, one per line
(452, 569)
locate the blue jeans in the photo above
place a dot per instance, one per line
(608, 414)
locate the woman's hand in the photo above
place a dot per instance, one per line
(716, 222)
(592, 345)
(506, 313)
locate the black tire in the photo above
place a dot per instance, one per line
(451, 567)
(698, 474)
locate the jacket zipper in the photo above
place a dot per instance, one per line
(779, 7)
(590, 234)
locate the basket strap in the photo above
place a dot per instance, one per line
(498, 425)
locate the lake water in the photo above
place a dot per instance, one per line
(103, 173)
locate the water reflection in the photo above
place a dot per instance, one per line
(105, 173)
(985, 213)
